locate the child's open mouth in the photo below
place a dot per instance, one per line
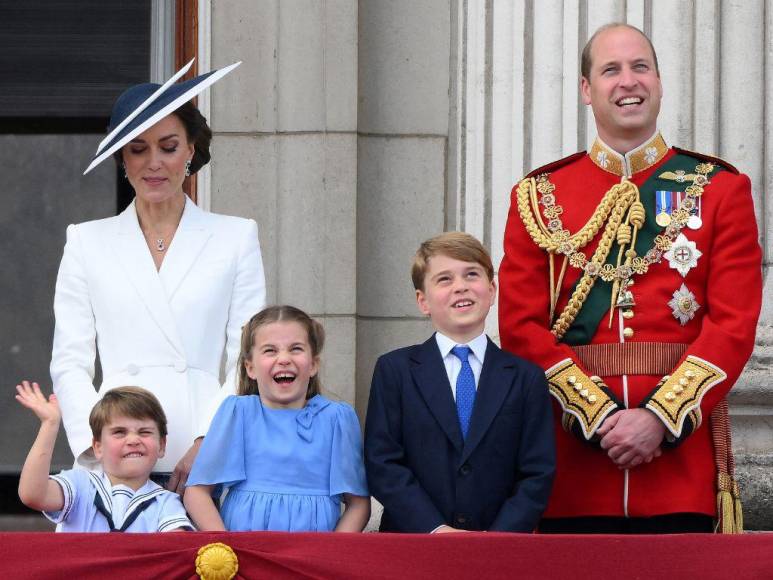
(284, 378)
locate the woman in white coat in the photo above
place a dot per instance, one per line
(161, 290)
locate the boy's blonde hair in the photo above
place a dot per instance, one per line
(457, 245)
(132, 402)
(280, 313)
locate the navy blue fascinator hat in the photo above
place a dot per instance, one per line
(142, 106)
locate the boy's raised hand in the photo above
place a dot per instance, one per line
(30, 395)
(36, 490)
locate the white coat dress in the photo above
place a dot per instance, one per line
(162, 330)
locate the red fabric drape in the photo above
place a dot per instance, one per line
(362, 556)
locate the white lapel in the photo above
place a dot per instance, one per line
(189, 240)
(134, 256)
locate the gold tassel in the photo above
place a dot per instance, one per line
(738, 509)
(725, 509)
(725, 504)
(729, 509)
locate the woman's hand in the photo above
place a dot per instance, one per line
(47, 410)
(181, 471)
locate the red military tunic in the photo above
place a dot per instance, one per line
(700, 341)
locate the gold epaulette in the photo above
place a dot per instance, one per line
(586, 399)
(679, 396)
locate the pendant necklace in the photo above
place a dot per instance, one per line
(161, 245)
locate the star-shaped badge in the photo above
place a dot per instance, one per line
(683, 255)
(683, 305)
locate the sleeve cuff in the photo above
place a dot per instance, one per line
(677, 398)
(68, 491)
(176, 523)
(586, 401)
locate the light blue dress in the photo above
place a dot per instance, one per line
(285, 469)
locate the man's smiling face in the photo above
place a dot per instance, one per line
(623, 87)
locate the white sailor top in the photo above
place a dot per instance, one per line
(92, 504)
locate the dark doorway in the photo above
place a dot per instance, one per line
(62, 63)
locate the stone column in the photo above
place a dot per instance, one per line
(403, 144)
(285, 151)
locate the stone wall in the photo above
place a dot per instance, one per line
(354, 130)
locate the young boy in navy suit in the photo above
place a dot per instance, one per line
(458, 433)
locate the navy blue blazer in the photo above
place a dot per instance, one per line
(426, 475)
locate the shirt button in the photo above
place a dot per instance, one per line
(132, 369)
(628, 332)
(180, 366)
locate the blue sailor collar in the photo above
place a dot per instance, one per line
(137, 499)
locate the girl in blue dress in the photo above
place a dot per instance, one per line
(288, 456)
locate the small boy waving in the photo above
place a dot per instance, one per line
(129, 429)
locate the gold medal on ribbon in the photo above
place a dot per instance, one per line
(664, 205)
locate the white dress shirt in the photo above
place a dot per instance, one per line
(452, 363)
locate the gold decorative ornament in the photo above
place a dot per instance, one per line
(622, 214)
(678, 176)
(581, 397)
(644, 156)
(675, 399)
(704, 169)
(216, 561)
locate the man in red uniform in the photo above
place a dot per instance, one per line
(632, 275)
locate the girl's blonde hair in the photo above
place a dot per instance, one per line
(280, 313)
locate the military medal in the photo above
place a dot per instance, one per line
(683, 305)
(683, 255)
(663, 208)
(693, 205)
(694, 222)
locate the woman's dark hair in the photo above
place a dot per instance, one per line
(197, 131)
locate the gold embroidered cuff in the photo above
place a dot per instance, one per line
(585, 398)
(679, 396)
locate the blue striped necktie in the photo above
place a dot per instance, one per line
(465, 388)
